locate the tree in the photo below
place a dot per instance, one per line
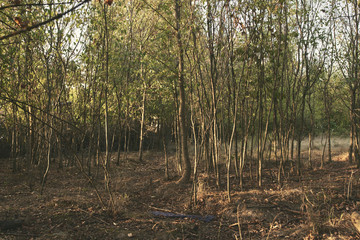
(182, 98)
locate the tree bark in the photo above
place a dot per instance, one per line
(185, 178)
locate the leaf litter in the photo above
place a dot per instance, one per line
(319, 206)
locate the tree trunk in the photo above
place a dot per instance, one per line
(185, 178)
(142, 124)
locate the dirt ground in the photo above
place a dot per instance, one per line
(317, 206)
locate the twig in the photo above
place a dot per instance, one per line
(238, 220)
(58, 16)
(161, 209)
(156, 11)
(219, 230)
(33, 4)
(19, 102)
(349, 188)
(272, 224)
(92, 216)
(307, 199)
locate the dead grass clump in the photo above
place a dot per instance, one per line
(322, 220)
(202, 187)
(62, 202)
(121, 200)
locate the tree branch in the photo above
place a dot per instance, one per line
(58, 16)
(157, 12)
(33, 4)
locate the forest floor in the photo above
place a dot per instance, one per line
(317, 206)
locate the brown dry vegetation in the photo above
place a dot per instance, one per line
(317, 206)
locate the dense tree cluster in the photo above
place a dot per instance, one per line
(239, 80)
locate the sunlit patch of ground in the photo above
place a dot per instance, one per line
(342, 157)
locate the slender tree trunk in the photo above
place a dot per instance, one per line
(299, 136)
(165, 152)
(106, 80)
(327, 103)
(312, 122)
(29, 117)
(185, 178)
(119, 145)
(351, 144)
(14, 139)
(142, 124)
(143, 105)
(228, 184)
(213, 83)
(323, 155)
(48, 159)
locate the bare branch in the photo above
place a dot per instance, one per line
(58, 16)
(33, 4)
(157, 12)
